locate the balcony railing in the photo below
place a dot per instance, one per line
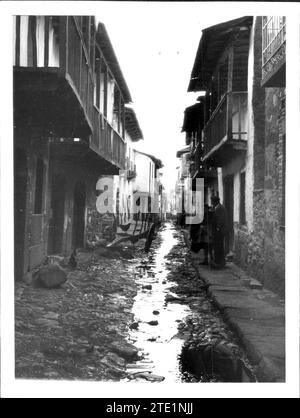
(56, 44)
(273, 46)
(130, 169)
(273, 36)
(106, 142)
(227, 123)
(75, 60)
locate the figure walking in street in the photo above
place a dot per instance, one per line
(219, 230)
(200, 235)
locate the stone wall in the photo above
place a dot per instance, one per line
(274, 267)
(249, 245)
(99, 227)
(260, 248)
(262, 251)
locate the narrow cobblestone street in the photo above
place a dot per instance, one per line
(146, 222)
(122, 316)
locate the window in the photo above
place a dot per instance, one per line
(273, 32)
(39, 180)
(243, 198)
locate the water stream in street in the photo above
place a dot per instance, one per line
(158, 318)
(158, 321)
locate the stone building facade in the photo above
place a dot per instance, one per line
(241, 66)
(262, 249)
(69, 129)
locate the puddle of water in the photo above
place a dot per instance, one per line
(162, 351)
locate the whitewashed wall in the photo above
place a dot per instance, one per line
(145, 168)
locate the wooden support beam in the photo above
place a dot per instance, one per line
(46, 41)
(67, 42)
(229, 95)
(18, 40)
(105, 91)
(32, 29)
(240, 117)
(119, 112)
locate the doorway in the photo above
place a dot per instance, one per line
(228, 203)
(56, 223)
(79, 215)
(20, 190)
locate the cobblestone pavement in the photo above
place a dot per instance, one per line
(92, 327)
(78, 330)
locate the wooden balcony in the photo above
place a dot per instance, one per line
(54, 87)
(225, 134)
(106, 142)
(273, 51)
(198, 169)
(53, 73)
(130, 169)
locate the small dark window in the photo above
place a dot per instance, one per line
(242, 198)
(39, 180)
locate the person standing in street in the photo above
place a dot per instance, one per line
(219, 230)
(200, 236)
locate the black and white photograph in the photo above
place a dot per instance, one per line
(150, 200)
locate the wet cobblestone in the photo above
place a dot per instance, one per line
(71, 332)
(120, 316)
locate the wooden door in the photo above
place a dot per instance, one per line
(36, 242)
(57, 211)
(20, 190)
(79, 215)
(228, 203)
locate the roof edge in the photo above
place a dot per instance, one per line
(104, 42)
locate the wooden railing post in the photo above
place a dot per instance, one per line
(240, 117)
(229, 94)
(18, 40)
(32, 28)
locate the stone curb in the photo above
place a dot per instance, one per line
(266, 370)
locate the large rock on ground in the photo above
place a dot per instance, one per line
(50, 276)
(126, 351)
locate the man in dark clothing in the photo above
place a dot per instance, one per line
(200, 235)
(219, 230)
